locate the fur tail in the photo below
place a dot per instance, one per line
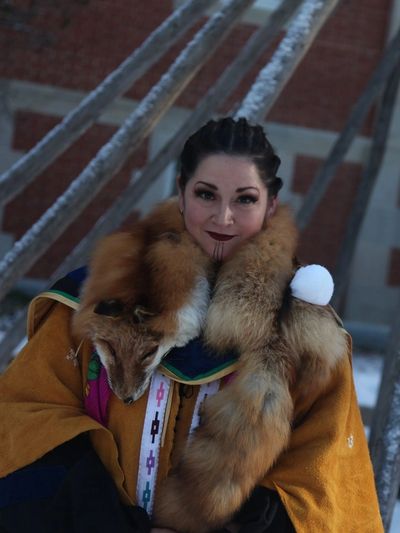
(315, 333)
(244, 428)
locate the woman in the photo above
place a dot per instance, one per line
(280, 446)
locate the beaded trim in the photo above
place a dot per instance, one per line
(155, 419)
(151, 440)
(208, 389)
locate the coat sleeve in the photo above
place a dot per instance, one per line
(50, 476)
(41, 396)
(325, 478)
(263, 512)
(68, 490)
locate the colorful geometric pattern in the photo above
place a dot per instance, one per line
(152, 432)
(151, 440)
(208, 389)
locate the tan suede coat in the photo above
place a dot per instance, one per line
(324, 478)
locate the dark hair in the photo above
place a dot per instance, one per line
(231, 137)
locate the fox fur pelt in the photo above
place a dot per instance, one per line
(282, 343)
(147, 291)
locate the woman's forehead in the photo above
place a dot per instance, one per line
(220, 170)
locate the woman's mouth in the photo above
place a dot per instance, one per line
(220, 236)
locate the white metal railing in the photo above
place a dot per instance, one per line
(291, 50)
(114, 153)
(374, 88)
(138, 185)
(83, 116)
(223, 87)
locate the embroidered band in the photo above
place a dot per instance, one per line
(151, 440)
(208, 389)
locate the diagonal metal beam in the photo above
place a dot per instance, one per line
(113, 154)
(273, 77)
(366, 187)
(375, 86)
(384, 440)
(130, 197)
(82, 117)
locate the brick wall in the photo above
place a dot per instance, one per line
(76, 47)
(393, 274)
(76, 44)
(320, 242)
(84, 45)
(30, 204)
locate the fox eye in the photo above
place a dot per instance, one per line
(111, 308)
(149, 353)
(111, 349)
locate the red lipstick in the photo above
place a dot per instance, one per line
(220, 236)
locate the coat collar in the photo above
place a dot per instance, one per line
(192, 364)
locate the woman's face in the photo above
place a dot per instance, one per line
(224, 203)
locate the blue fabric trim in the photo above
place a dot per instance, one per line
(72, 282)
(31, 483)
(196, 360)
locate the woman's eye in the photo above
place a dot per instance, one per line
(247, 199)
(205, 195)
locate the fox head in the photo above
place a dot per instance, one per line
(128, 347)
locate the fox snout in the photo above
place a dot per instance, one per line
(129, 400)
(128, 349)
(137, 392)
(129, 366)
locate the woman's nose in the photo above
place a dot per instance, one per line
(224, 215)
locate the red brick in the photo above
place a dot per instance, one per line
(99, 35)
(30, 204)
(107, 31)
(398, 193)
(320, 242)
(393, 274)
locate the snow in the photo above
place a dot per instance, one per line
(310, 13)
(395, 525)
(367, 369)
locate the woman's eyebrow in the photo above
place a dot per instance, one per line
(215, 188)
(241, 189)
(211, 185)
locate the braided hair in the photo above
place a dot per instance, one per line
(231, 137)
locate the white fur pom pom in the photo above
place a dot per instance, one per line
(313, 284)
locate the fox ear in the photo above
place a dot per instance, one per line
(141, 314)
(112, 308)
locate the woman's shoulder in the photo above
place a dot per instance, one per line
(65, 291)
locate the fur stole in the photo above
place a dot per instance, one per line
(282, 342)
(147, 291)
